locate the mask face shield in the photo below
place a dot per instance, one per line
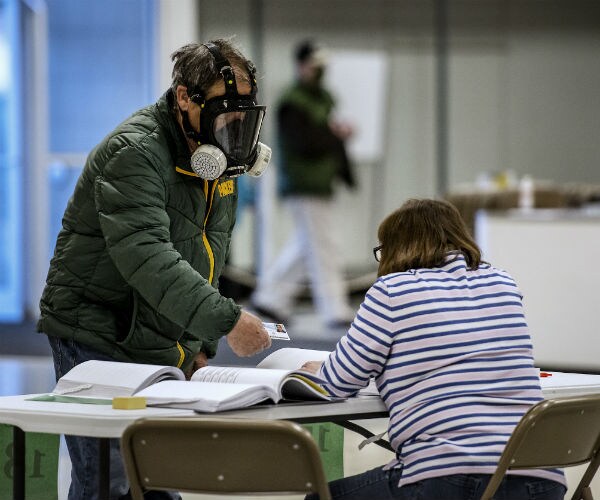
(233, 125)
(229, 128)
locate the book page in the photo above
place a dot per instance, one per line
(107, 379)
(241, 374)
(301, 388)
(204, 396)
(285, 384)
(292, 358)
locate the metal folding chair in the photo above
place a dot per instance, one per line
(560, 432)
(222, 456)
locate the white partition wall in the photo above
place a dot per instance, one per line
(553, 256)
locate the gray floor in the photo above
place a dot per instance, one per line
(21, 339)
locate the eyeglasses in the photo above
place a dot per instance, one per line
(377, 252)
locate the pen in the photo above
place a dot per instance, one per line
(545, 374)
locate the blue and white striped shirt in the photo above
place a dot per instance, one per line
(451, 355)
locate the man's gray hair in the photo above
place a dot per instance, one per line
(194, 66)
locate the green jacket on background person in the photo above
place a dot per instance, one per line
(143, 242)
(312, 157)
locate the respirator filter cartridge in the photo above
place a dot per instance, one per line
(208, 162)
(263, 157)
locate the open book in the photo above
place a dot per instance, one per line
(210, 389)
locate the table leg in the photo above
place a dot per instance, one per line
(18, 464)
(351, 426)
(104, 466)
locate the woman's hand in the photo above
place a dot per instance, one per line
(312, 366)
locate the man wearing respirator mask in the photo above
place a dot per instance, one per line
(147, 231)
(223, 129)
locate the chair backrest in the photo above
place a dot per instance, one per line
(559, 432)
(222, 456)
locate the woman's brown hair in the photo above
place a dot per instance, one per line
(420, 234)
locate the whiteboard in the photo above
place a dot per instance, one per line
(359, 83)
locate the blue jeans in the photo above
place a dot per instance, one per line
(83, 450)
(383, 485)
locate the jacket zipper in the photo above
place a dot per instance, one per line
(181, 355)
(211, 256)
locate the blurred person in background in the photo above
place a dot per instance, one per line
(145, 236)
(312, 158)
(444, 335)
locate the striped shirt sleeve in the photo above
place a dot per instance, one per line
(362, 353)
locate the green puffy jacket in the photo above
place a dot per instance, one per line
(311, 156)
(144, 240)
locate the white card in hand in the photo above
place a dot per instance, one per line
(277, 331)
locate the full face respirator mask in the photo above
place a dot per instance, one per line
(229, 129)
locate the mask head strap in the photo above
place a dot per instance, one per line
(198, 97)
(223, 67)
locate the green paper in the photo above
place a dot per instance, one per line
(330, 439)
(41, 464)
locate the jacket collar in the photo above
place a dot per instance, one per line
(178, 145)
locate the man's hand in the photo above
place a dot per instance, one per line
(342, 130)
(248, 336)
(199, 361)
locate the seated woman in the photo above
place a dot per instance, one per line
(444, 336)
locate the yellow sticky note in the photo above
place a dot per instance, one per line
(129, 403)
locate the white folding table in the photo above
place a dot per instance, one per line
(103, 422)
